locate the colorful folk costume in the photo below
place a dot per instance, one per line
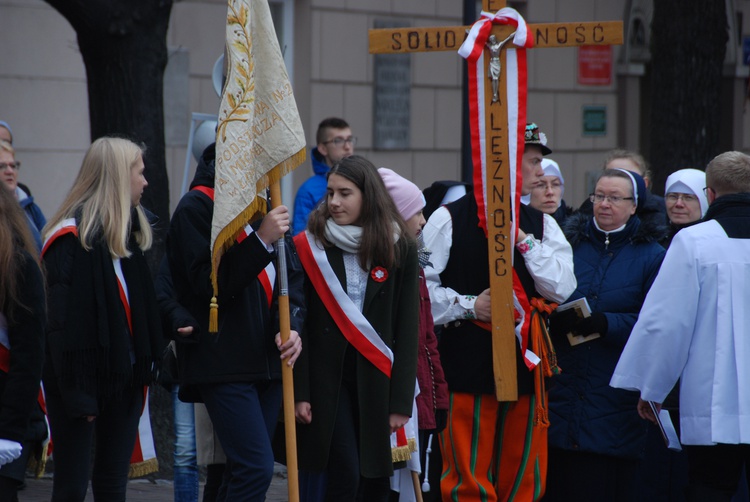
(493, 451)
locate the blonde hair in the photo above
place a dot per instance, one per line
(101, 198)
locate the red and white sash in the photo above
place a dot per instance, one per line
(352, 323)
(66, 226)
(516, 81)
(267, 275)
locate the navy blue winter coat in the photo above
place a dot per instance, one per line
(586, 414)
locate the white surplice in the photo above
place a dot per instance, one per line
(695, 326)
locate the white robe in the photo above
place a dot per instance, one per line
(693, 326)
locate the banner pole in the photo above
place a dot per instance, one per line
(287, 377)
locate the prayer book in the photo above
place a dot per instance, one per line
(668, 432)
(582, 310)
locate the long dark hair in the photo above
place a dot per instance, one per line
(14, 237)
(378, 216)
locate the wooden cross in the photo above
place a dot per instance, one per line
(450, 38)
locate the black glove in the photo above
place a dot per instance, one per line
(562, 323)
(441, 420)
(595, 323)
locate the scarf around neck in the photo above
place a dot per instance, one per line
(345, 237)
(348, 237)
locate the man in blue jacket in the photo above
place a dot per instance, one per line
(335, 141)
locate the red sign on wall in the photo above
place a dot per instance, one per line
(595, 65)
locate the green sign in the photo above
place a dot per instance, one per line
(594, 120)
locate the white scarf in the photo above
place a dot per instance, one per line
(348, 237)
(345, 237)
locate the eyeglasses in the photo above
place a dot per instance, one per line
(337, 142)
(552, 185)
(686, 198)
(15, 166)
(598, 198)
(705, 190)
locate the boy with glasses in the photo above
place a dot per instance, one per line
(334, 142)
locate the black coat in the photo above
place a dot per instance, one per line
(19, 387)
(392, 308)
(244, 348)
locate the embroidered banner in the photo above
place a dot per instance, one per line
(259, 137)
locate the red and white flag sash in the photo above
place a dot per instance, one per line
(352, 323)
(267, 275)
(66, 226)
(516, 93)
(143, 459)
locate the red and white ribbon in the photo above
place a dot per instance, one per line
(515, 67)
(516, 92)
(353, 324)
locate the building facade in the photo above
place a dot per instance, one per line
(586, 102)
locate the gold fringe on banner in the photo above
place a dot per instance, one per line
(143, 468)
(403, 453)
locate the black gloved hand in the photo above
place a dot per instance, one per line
(441, 420)
(562, 323)
(595, 323)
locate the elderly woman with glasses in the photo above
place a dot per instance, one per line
(596, 437)
(547, 195)
(9, 168)
(685, 199)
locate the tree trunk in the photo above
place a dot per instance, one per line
(124, 48)
(689, 39)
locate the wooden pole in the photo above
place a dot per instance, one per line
(499, 201)
(287, 377)
(417, 485)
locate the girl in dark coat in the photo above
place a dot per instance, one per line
(104, 332)
(596, 435)
(22, 318)
(354, 382)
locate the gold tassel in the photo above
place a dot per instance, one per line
(38, 460)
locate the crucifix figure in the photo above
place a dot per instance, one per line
(495, 47)
(497, 445)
